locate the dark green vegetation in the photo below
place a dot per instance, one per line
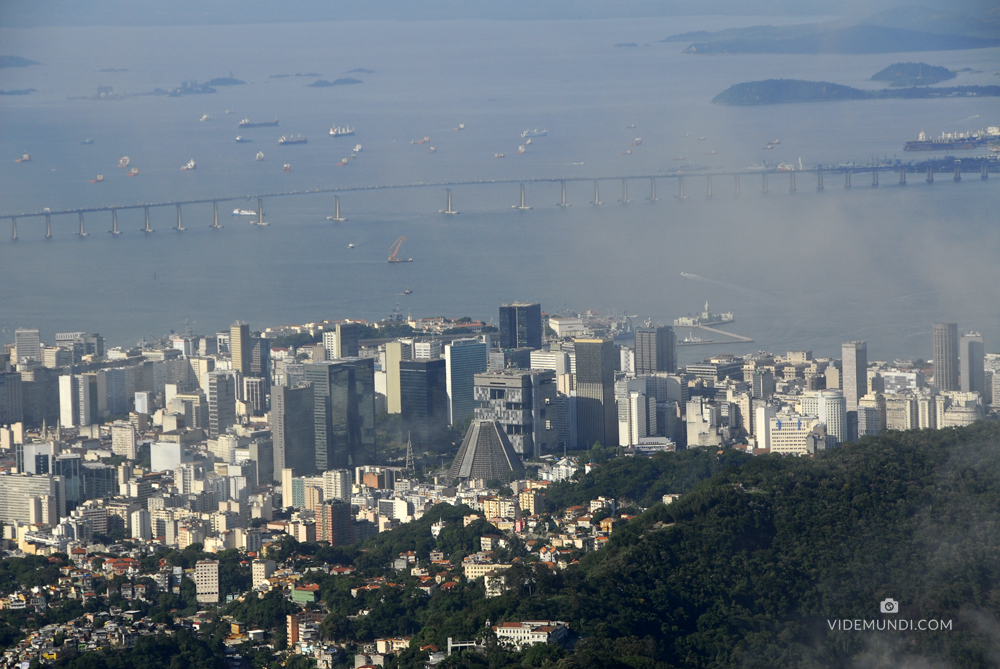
(913, 74)
(185, 650)
(894, 30)
(16, 61)
(345, 81)
(777, 91)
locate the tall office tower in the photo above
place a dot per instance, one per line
(68, 399)
(521, 325)
(423, 396)
(294, 429)
(29, 345)
(522, 402)
(115, 391)
(973, 372)
(946, 356)
(463, 359)
(255, 394)
(393, 358)
(343, 412)
(763, 384)
(831, 409)
(854, 362)
(240, 347)
(260, 359)
(597, 412)
(17, 491)
(655, 350)
(39, 396)
(123, 440)
(636, 417)
(87, 399)
(333, 522)
(427, 350)
(11, 398)
(337, 485)
(347, 340)
(221, 402)
(82, 343)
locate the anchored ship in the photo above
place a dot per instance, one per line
(244, 212)
(26, 158)
(247, 123)
(190, 165)
(294, 139)
(240, 139)
(337, 131)
(534, 133)
(123, 161)
(260, 156)
(947, 141)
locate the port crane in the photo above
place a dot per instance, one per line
(394, 250)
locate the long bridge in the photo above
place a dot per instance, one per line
(708, 179)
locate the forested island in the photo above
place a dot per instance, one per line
(778, 91)
(913, 74)
(224, 81)
(323, 83)
(16, 61)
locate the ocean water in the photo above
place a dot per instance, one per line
(802, 270)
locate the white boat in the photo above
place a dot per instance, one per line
(357, 148)
(527, 142)
(260, 156)
(190, 165)
(534, 133)
(350, 246)
(521, 149)
(337, 131)
(244, 212)
(206, 117)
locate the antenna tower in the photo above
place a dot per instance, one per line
(409, 454)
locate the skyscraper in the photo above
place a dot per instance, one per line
(347, 340)
(293, 428)
(28, 343)
(855, 366)
(830, 407)
(424, 400)
(655, 350)
(973, 372)
(523, 403)
(521, 325)
(463, 358)
(393, 357)
(12, 398)
(221, 402)
(597, 412)
(343, 412)
(240, 347)
(946, 356)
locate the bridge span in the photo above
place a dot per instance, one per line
(762, 177)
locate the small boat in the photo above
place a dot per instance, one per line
(286, 168)
(293, 139)
(691, 339)
(343, 161)
(702, 138)
(630, 126)
(244, 212)
(240, 139)
(190, 165)
(420, 141)
(206, 117)
(123, 162)
(407, 291)
(627, 152)
(769, 146)
(637, 141)
(534, 133)
(687, 134)
(88, 140)
(350, 246)
(132, 172)
(711, 153)
(337, 131)
(26, 158)
(432, 150)
(521, 149)
(461, 126)
(357, 148)
(527, 142)
(99, 179)
(498, 155)
(679, 158)
(260, 156)
(775, 141)
(228, 111)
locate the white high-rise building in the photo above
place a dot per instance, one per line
(831, 409)
(260, 571)
(855, 372)
(206, 580)
(337, 485)
(123, 440)
(29, 345)
(427, 350)
(464, 358)
(636, 418)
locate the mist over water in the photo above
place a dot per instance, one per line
(803, 270)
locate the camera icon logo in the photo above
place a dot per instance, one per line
(888, 605)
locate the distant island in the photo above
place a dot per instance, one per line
(113, 69)
(628, 44)
(913, 74)
(323, 83)
(22, 91)
(778, 91)
(16, 61)
(894, 30)
(297, 74)
(224, 81)
(360, 70)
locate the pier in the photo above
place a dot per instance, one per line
(18, 218)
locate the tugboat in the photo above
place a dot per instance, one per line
(132, 172)
(286, 167)
(350, 246)
(260, 156)
(190, 165)
(407, 291)
(123, 162)
(206, 117)
(26, 158)
(521, 149)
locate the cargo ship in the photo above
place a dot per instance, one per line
(247, 123)
(295, 139)
(946, 142)
(190, 165)
(240, 139)
(534, 133)
(337, 131)
(244, 212)
(26, 158)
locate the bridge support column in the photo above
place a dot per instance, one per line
(48, 226)
(791, 182)
(958, 173)
(562, 189)
(624, 199)
(819, 179)
(985, 175)
(522, 206)
(930, 175)
(147, 229)
(13, 228)
(597, 194)
(260, 211)
(180, 227)
(83, 231)
(737, 192)
(708, 186)
(874, 178)
(847, 179)
(902, 176)
(763, 186)
(680, 188)
(652, 190)
(448, 209)
(215, 215)
(336, 211)
(114, 223)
